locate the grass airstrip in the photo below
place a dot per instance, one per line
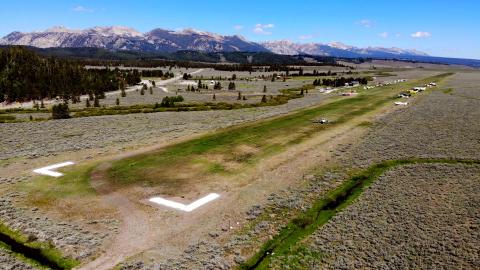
(224, 152)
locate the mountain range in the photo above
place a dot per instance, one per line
(124, 38)
(161, 40)
(336, 49)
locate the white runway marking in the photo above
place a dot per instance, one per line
(48, 170)
(183, 207)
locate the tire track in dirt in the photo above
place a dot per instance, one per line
(134, 234)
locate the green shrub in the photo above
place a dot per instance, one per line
(60, 111)
(170, 101)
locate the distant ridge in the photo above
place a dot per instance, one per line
(336, 49)
(124, 38)
(161, 40)
(118, 39)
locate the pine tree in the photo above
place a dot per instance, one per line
(214, 98)
(117, 101)
(218, 86)
(264, 99)
(239, 96)
(151, 90)
(142, 92)
(96, 102)
(124, 94)
(87, 103)
(60, 111)
(264, 89)
(122, 84)
(31, 117)
(231, 86)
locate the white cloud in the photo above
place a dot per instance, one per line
(238, 27)
(383, 34)
(261, 28)
(268, 25)
(82, 9)
(305, 37)
(365, 23)
(421, 34)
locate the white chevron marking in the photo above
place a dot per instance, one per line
(180, 206)
(48, 170)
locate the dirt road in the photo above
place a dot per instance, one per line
(134, 230)
(29, 104)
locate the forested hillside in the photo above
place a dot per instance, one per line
(24, 76)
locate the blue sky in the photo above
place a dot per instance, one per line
(440, 28)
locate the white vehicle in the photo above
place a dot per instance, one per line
(398, 103)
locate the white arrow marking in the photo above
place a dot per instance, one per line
(187, 208)
(48, 170)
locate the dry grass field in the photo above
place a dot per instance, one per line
(413, 216)
(270, 165)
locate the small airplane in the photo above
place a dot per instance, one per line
(321, 121)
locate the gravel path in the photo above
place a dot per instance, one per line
(135, 230)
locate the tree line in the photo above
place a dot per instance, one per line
(25, 76)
